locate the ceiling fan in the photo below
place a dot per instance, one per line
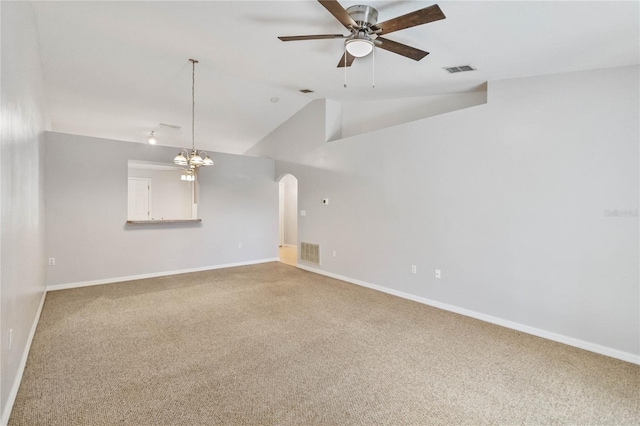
(366, 33)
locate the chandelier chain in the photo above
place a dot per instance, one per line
(195, 158)
(193, 104)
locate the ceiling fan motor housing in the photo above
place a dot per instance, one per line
(365, 16)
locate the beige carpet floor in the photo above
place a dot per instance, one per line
(271, 344)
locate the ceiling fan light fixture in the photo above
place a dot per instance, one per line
(359, 46)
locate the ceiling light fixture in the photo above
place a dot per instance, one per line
(195, 158)
(359, 45)
(188, 175)
(152, 139)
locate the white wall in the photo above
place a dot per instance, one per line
(508, 199)
(290, 210)
(360, 117)
(24, 121)
(86, 230)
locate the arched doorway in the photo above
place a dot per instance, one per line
(288, 215)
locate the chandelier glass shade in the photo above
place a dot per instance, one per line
(188, 175)
(194, 158)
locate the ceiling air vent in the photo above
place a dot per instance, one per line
(306, 91)
(461, 68)
(169, 126)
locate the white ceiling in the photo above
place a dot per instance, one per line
(118, 69)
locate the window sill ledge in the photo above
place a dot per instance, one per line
(162, 221)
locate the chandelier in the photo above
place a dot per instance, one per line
(188, 174)
(195, 158)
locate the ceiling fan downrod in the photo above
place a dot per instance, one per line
(365, 16)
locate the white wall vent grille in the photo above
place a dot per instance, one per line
(310, 252)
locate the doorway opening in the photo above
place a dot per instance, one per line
(288, 219)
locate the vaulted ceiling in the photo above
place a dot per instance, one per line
(118, 69)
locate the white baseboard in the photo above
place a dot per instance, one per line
(592, 347)
(154, 275)
(6, 411)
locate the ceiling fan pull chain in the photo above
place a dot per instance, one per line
(345, 66)
(373, 69)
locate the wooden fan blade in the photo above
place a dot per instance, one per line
(401, 49)
(350, 59)
(339, 12)
(419, 17)
(310, 37)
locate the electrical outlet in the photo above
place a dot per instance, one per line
(438, 274)
(334, 253)
(240, 245)
(414, 269)
(52, 261)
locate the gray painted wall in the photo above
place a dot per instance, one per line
(86, 231)
(507, 199)
(24, 121)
